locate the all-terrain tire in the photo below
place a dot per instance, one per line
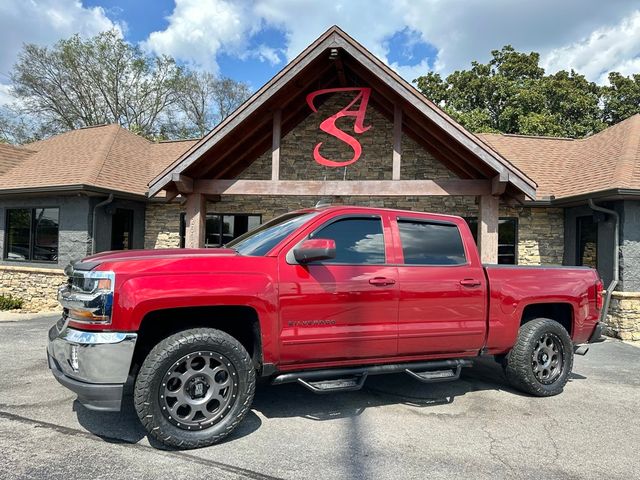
(532, 357)
(162, 362)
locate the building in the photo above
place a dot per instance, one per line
(335, 124)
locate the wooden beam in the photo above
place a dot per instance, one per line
(488, 229)
(275, 145)
(171, 192)
(397, 141)
(183, 183)
(196, 214)
(397, 188)
(498, 184)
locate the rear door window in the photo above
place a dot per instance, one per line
(431, 243)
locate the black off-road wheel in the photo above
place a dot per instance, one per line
(542, 358)
(194, 388)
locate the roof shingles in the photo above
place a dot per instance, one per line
(566, 168)
(106, 156)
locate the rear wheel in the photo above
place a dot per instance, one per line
(194, 388)
(542, 358)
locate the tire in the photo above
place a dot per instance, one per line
(542, 358)
(194, 388)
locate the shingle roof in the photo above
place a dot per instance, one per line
(11, 155)
(106, 156)
(566, 168)
(113, 158)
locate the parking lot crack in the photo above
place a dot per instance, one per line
(242, 472)
(493, 449)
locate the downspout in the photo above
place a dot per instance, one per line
(616, 260)
(93, 222)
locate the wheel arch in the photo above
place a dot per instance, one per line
(561, 312)
(240, 321)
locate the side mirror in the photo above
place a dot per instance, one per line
(314, 249)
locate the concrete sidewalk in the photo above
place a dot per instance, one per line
(16, 316)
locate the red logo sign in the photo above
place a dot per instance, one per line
(329, 125)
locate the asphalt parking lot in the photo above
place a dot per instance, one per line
(395, 428)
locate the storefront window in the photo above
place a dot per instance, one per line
(507, 238)
(32, 234)
(220, 229)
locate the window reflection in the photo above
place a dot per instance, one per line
(358, 240)
(32, 234)
(426, 243)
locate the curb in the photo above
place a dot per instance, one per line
(8, 316)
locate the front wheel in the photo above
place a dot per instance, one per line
(542, 358)
(194, 388)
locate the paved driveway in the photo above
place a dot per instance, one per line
(394, 428)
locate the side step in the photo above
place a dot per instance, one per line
(351, 379)
(435, 376)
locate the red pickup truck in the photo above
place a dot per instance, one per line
(323, 297)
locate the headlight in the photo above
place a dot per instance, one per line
(88, 297)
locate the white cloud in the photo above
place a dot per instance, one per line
(610, 48)
(43, 22)
(460, 30)
(201, 29)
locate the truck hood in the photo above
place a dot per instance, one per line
(118, 256)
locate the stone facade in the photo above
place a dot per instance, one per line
(162, 225)
(623, 320)
(540, 234)
(38, 287)
(375, 163)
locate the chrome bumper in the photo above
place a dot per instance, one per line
(93, 357)
(95, 365)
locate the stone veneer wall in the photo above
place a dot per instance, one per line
(540, 230)
(540, 234)
(375, 163)
(623, 320)
(38, 287)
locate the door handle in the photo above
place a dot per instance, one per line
(381, 281)
(470, 282)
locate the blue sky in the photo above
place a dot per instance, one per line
(250, 40)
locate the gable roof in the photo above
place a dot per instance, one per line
(105, 157)
(566, 168)
(267, 99)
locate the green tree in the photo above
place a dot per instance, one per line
(104, 79)
(621, 98)
(512, 94)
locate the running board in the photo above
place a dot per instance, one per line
(351, 379)
(435, 376)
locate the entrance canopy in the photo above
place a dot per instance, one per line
(336, 64)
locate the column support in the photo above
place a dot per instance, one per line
(488, 228)
(275, 145)
(397, 142)
(196, 214)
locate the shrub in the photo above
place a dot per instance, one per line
(7, 302)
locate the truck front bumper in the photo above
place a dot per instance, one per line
(94, 365)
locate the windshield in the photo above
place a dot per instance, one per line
(260, 241)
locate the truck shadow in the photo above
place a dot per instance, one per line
(292, 400)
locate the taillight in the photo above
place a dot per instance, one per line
(599, 296)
